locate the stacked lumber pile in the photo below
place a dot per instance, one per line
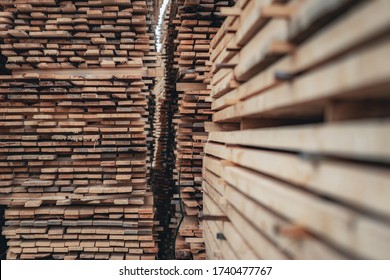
(4, 25)
(75, 34)
(160, 176)
(193, 24)
(3, 241)
(74, 232)
(164, 164)
(171, 93)
(298, 159)
(76, 145)
(156, 10)
(68, 141)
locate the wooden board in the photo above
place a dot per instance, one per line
(297, 155)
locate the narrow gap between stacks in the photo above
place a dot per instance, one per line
(3, 241)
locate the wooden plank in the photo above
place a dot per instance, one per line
(327, 177)
(253, 54)
(329, 220)
(355, 83)
(358, 139)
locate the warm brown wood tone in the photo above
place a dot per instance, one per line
(75, 129)
(194, 24)
(298, 157)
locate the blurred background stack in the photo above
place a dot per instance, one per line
(76, 139)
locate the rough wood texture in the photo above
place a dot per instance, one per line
(76, 140)
(297, 162)
(162, 166)
(260, 131)
(193, 26)
(77, 34)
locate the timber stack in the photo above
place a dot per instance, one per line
(193, 24)
(76, 139)
(297, 163)
(76, 34)
(5, 24)
(261, 130)
(162, 165)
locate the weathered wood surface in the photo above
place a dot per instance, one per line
(297, 158)
(75, 129)
(193, 26)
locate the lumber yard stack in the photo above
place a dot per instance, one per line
(4, 25)
(193, 24)
(57, 153)
(3, 71)
(76, 140)
(3, 241)
(156, 9)
(162, 183)
(297, 161)
(75, 34)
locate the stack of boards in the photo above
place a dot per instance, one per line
(297, 163)
(193, 25)
(3, 59)
(54, 34)
(75, 139)
(156, 10)
(162, 166)
(3, 241)
(163, 183)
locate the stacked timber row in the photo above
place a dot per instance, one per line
(3, 241)
(160, 179)
(171, 95)
(69, 144)
(75, 34)
(76, 142)
(5, 24)
(163, 164)
(297, 163)
(156, 10)
(193, 24)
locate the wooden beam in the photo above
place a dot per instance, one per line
(359, 140)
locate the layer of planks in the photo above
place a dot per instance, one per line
(76, 34)
(75, 141)
(3, 241)
(74, 232)
(3, 59)
(193, 24)
(76, 145)
(297, 162)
